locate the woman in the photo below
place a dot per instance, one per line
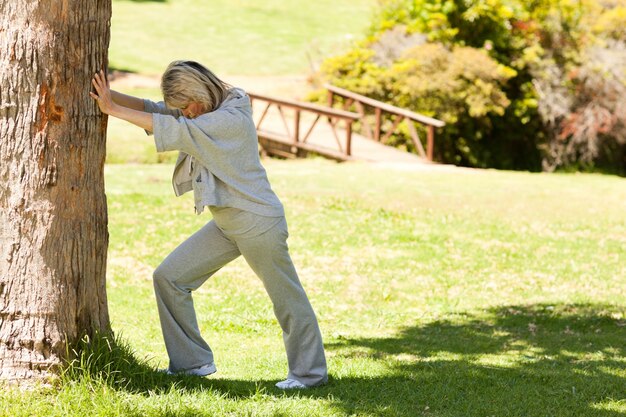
(210, 123)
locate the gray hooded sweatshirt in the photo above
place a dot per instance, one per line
(219, 155)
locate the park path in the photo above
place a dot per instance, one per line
(296, 88)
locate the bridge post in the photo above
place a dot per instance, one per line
(430, 142)
(331, 98)
(378, 113)
(296, 130)
(348, 138)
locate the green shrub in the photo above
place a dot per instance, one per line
(419, 56)
(517, 82)
(461, 86)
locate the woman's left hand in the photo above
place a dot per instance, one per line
(103, 96)
(105, 101)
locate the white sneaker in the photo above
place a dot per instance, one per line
(290, 384)
(204, 370)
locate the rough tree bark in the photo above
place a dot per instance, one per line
(53, 216)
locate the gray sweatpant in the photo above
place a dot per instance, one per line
(263, 243)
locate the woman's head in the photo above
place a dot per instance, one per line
(187, 82)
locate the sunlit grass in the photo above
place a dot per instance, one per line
(239, 37)
(462, 293)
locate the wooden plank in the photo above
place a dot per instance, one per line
(399, 119)
(386, 107)
(296, 134)
(273, 143)
(325, 152)
(275, 147)
(333, 126)
(416, 138)
(430, 142)
(366, 125)
(349, 139)
(278, 152)
(324, 111)
(378, 124)
(282, 116)
(306, 136)
(263, 115)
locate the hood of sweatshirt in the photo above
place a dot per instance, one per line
(236, 99)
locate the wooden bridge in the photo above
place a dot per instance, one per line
(291, 129)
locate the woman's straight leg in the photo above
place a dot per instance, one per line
(268, 256)
(183, 271)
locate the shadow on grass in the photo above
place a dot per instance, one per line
(538, 360)
(553, 360)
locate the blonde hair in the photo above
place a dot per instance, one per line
(184, 82)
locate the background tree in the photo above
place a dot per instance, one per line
(53, 216)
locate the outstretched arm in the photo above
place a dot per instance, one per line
(131, 102)
(131, 112)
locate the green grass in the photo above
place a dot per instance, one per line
(239, 37)
(438, 294)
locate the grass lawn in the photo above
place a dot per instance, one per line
(438, 294)
(268, 37)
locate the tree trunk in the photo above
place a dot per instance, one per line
(53, 216)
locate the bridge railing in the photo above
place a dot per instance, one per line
(380, 109)
(274, 142)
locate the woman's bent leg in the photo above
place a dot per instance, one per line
(183, 271)
(268, 255)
